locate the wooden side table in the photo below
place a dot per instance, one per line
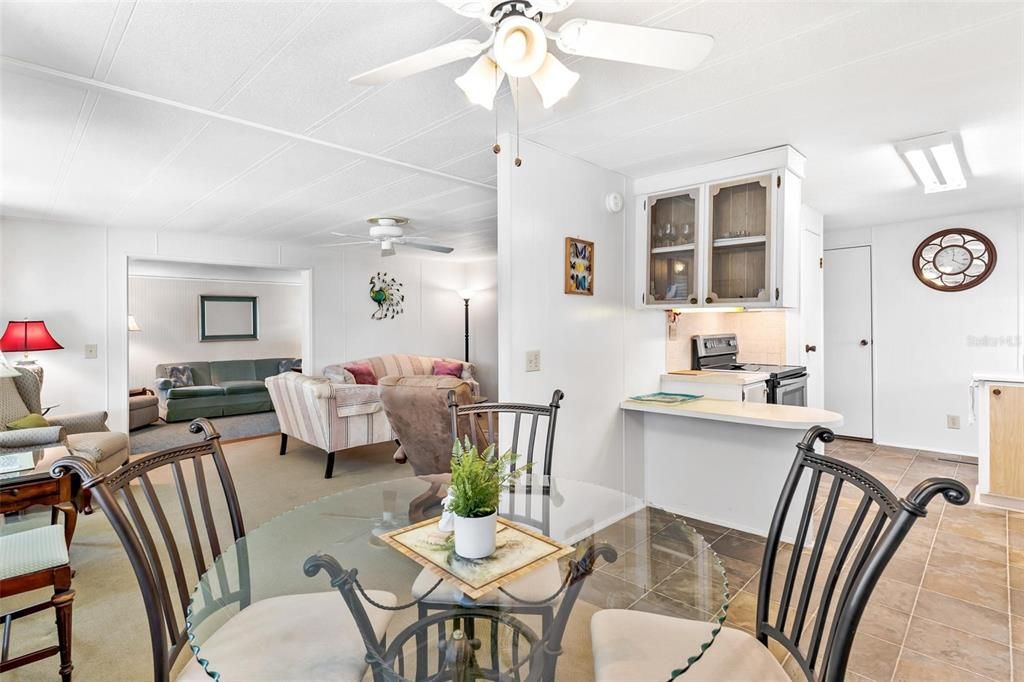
(20, 490)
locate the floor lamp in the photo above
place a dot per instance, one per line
(465, 295)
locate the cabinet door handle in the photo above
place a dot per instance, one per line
(708, 300)
(693, 300)
(863, 342)
(810, 349)
(996, 391)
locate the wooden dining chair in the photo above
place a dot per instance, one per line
(458, 654)
(31, 560)
(163, 562)
(814, 613)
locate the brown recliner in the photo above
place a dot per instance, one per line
(417, 408)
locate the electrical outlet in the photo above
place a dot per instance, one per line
(533, 361)
(91, 351)
(952, 421)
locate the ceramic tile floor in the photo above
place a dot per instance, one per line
(950, 606)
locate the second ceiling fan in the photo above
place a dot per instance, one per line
(387, 232)
(518, 47)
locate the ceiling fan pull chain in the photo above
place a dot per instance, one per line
(497, 83)
(515, 106)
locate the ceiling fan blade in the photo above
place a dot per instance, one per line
(421, 61)
(429, 247)
(348, 243)
(548, 6)
(680, 50)
(474, 9)
(389, 251)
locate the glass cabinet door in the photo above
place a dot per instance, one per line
(672, 247)
(741, 218)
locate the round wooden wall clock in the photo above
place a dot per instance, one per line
(954, 260)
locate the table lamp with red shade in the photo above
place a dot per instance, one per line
(26, 336)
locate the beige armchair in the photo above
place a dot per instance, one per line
(417, 408)
(84, 434)
(327, 415)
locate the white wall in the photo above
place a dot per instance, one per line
(167, 311)
(581, 338)
(77, 276)
(928, 343)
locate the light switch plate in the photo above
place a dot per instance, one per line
(91, 351)
(533, 361)
(952, 421)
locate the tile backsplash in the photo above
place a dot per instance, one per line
(761, 335)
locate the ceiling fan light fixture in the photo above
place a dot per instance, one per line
(553, 80)
(481, 82)
(520, 46)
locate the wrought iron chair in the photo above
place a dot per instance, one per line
(149, 541)
(459, 656)
(479, 422)
(820, 606)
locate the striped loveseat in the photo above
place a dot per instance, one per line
(329, 415)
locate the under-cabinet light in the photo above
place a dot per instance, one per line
(936, 161)
(738, 309)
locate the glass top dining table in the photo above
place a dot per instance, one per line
(622, 551)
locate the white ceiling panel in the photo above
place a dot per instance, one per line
(838, 80)
(38, 118)
(195, 51)
(62, 35)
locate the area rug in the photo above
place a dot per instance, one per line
(160, 436)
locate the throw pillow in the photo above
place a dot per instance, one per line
(445, 368)
(180, 375)
(288, 365)
(362, 372)
(29, 421)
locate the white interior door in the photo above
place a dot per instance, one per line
(811, 351)
(848, 360)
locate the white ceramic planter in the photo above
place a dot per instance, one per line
(475, 538)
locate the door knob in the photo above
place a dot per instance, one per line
(863, 342)
(810, 349)
(996, 391)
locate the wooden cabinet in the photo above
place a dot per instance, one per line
(726, 235)
(1006, 439)
(673, 246)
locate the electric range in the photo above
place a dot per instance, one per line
(787, 384)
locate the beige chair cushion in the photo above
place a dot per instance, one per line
(534, 586)
(98, 445)
(294, 637)
(33, 550)
(633, 646)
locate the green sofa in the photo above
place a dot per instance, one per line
(220, 388)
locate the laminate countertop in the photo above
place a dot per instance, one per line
(742, 412)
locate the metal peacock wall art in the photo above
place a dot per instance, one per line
(386, 292)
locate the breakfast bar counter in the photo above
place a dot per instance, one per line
(721, 461)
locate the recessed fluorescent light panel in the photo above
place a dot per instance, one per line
(936, 161)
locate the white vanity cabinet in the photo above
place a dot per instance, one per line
(724, 234)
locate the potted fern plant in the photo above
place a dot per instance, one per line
(477, 482)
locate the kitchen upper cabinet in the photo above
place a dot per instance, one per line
(725, 234)
(741, 227)
(673, 240)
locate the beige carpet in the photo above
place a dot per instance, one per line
(110, 639)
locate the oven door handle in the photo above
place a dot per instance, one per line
(782, 383)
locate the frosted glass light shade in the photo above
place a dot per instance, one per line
(553, 80)
(520, 46)
(481, 82)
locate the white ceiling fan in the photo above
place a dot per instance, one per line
(518, 47)
(388, 231)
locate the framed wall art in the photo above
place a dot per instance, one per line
(229, 318)
(579, 267)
